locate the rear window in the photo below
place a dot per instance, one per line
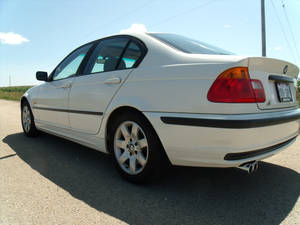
(189, 45)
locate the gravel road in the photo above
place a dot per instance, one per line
(48, 180)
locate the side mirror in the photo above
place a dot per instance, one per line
(41, 75)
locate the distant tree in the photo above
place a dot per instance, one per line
(299, 85)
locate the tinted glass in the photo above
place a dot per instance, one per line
(106, 55)
(70, 65)
(188, 45)
(131, 55)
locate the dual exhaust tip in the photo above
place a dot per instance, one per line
(250, 167)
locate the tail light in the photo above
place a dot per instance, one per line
(235, 86)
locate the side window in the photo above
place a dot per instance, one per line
(131, 55)
(106, 55)
(70, 65)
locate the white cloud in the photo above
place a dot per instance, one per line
(11, 38)
(277, 48)
(135, 27)
(227, 26)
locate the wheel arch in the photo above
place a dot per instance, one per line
(123, 109)
(23, 100)
(26, 99)
(117, 111)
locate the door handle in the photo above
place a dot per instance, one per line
(67, 85)
(114, 80)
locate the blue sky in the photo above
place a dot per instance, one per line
(37, 35)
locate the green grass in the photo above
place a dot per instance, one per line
(13, 93)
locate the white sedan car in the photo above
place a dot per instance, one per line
(150, 99)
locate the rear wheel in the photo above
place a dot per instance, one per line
(136, 149)
(28, 121)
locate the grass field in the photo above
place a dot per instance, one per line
(13, 93)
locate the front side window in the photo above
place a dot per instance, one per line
(106, 55)
(131, 56)
(70, 65)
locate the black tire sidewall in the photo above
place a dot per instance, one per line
(32, 131)
(155, 158)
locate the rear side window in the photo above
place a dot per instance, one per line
(106, 55)
(189, 45)
(132, 54)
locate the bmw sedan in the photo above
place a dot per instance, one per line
(154, 99)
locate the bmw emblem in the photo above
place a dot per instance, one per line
(285, 69)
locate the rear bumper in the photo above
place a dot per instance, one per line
(224, 140)
(258, 152)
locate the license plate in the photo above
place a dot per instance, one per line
(284, 92)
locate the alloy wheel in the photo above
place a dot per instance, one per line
(26, 118)
(131, 147)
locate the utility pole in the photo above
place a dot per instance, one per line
(263, 28)
(9, 80)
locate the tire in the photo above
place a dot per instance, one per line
(27, 119)
(136, 149)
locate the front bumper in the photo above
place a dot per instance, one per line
(224, 140)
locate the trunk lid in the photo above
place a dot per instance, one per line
(279, 80)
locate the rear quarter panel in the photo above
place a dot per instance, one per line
(177, 88)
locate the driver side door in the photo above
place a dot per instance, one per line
(52, 102)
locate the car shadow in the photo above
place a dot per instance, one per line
(184, 196)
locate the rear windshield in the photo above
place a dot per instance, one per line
(188, 45)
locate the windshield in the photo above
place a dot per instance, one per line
(188, 45)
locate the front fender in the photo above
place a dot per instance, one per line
(31, 96)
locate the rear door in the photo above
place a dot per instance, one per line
(108, 67)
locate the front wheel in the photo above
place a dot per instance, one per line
(136, 149)
(28, 121)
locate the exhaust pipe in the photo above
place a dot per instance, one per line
(250, 167)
